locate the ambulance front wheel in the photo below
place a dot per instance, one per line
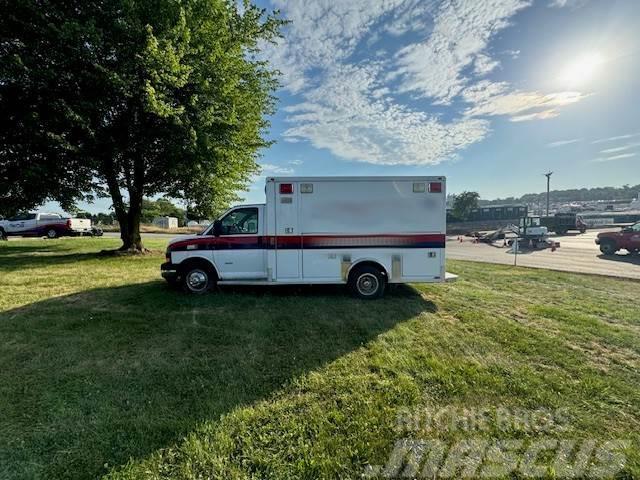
(197, 277)
(367, 282)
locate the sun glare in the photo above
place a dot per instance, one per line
(581, 69)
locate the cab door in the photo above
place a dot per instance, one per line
(240, 250)
(633, 240)
(24, 224)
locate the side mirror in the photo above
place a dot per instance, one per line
(217, 227)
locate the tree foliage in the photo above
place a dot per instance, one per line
(463, 203)
(130, 99)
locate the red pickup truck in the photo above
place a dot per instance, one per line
(627, 238)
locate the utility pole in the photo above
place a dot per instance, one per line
(548, 175)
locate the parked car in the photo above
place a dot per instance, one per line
(365, 232)
(51, 225)
(627, 238)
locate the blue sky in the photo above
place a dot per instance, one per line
(491, 93)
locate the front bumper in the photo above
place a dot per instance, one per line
(169, 272)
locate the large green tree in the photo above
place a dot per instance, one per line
(132, 98)
(463, 203)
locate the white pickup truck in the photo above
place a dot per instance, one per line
(51, 225)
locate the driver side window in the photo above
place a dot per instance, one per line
(242, 221)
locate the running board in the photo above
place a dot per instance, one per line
(288, 282)
(449, 277)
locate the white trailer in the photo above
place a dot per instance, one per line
(366, 232)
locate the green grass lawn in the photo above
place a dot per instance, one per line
(106, 371)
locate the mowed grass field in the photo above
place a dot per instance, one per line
(106, 371)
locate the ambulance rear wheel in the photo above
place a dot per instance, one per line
(367, 282)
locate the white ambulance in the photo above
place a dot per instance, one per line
(365, 232)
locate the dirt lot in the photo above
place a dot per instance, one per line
(577, 253)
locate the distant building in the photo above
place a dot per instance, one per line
(166, 222)
(635, 204)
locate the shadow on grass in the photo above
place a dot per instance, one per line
(42, 253)
(92, 379)
(18, 262)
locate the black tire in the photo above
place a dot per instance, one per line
(583, 230)
(367, 282)
(561, 231)
(197, 278)
(52, 233)
(608, 248)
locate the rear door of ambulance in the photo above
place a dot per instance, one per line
(288, 242)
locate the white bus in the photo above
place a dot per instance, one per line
(365, 232)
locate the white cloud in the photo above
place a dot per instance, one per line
(543, 115)
(560, 143)
(512, 53)
(349, 88)
(341, 115)
(296, 162)
(323, 33)
(567, 3)
(271, 169)
(484, 64)
(461, 32)
(615, 157)
(492, 98)
(410, 16)
(628, 146)
(618, 137)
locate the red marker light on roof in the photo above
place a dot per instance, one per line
(435, 187)
(286, 188)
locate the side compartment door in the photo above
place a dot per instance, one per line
(240, 252)
(288, 242)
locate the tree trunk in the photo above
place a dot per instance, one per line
(129, 220)
(130, 228)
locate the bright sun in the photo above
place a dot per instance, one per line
(582, 69)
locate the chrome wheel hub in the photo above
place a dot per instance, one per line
(197, 280)
(367, 284)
